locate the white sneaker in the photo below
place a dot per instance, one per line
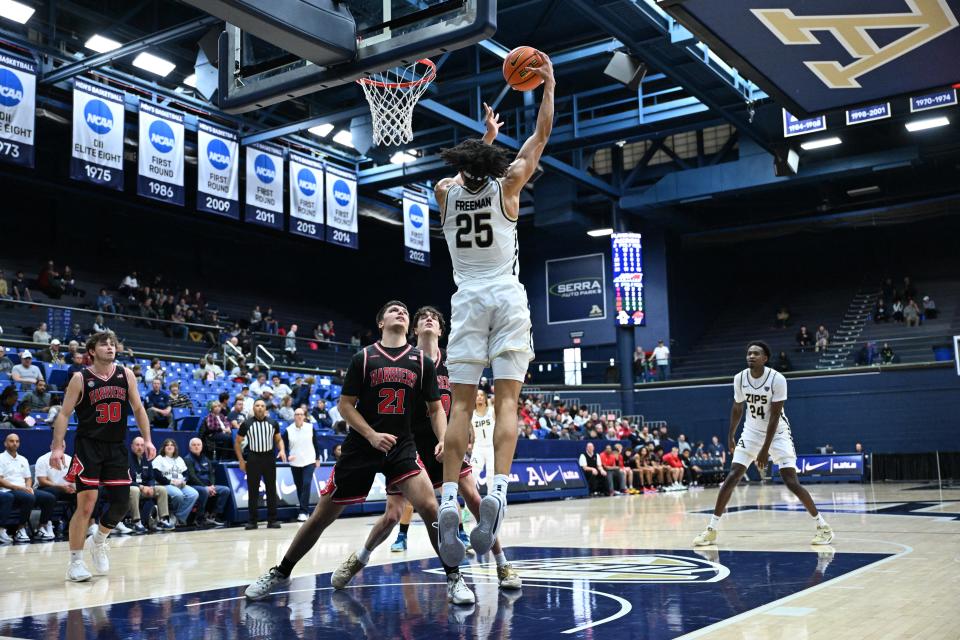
(21, 535)
(265, 584)
(44, 533)
(345, 572)
(5, 537)
(92, 529)
(450, 545)
(493, 508)
(708, 537)
(302, 517)
(457, 590)
(101, 561)
(122, 529)
(824, 535)
(77, 572)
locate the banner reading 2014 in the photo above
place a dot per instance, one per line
(218, 170)
(18, 84)
(97, 155)
(160, 176)
(306, 196)
(416, 229)
(265, 185)
(341, 207)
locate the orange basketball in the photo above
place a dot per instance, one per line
(516, 68)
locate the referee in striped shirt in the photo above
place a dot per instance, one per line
(264, 434)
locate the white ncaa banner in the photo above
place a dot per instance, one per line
(18, 97)
(264, 204)
(306, 196)
(341, 200)
(416, 228)
(218, 170)
(160, 173)
(97, 155)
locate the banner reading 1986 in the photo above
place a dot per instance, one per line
(218, 170)
(264, 204)
(160, 175)
(416, 228)
(306, 196)
(341, 196)
(97, 155)
(18, 84)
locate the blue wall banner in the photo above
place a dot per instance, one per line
(160, 174)
(18, 94)
(830, 467)
(935, 100)
(627, 252)
(576, 289)
(306, 196)
(97, 155)
(264, 204)
(869, 113)
(341, 200)
(218, 170)
(416, 228)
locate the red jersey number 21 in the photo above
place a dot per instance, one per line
(391, 401)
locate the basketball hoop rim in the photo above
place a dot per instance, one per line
(427, 78)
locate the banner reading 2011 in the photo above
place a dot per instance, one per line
(97, 155)
(416, 228)
(306, 196)
(264, 204)
(160, 175)
(18, 93)
(341, 193)
(218, 170)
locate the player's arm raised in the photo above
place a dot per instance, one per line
(776, 408)
(71, 396)
(348, 411)
(528, 157)
(140, 414)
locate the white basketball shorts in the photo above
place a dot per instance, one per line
(489, 326)
(782, 451)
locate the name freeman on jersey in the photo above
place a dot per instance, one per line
(102, 393)
(473, 205)
(396, 375)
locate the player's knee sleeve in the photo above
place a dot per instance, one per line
(119, 498)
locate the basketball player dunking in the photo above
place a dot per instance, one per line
(103, 395)
(766, 435)
(490, 321)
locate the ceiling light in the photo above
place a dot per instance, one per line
(344, 137)
(402, 157)
(863, 191)
(153, 64)
(321, 130)
(599, 233)
(191, 80)
(100, 44)
(16, 11)
(928, 123)
(821, 143)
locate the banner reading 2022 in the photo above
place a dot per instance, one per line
(160, 176)
(265, 185)
(341, 207)
(97, 155)
(416, 229)
(18, 93)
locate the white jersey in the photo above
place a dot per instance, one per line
(481, 238)
(483, 428)
(759, 394)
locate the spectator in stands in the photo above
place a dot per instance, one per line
(105, 302)
(301, 392)
(321, 416)
(783, 362)
(211, 497)
(682, 444)
(144, 488)
(675, 471)
(867, 354)
(178, 328)
(593, 470)
(886, 354)
(50, 281)
(6, 364)
(26, 373)
(129, 286)
(286, 409)
(909, 291)
(39, 397)
(256, 319)
(137, 374)
(40, 336)
(624, 430)
(280, 389)
(53, 481)
(661, 356)
(179, 400)
(217, 430)
(155, 372)
(717, 450)
(290, 344)
(99, 326)
(70, 283)
(911, 313)
(880, 313)
(897, 309)
(257, 386)
(639, 365)
(624, 460)
(270, 324)
(691, 471)
(302, 446)
(52, 353)
(355, 340)
(643, 469)
(77, 335)
(616, 479)
(546, 423)
(171, 470)
(16, 480)
(783, 318)
(212, 369)
(19, 288)
(804, 339)
(329, 331)
(929, 308)
(158, 406)
(4, 288)
(76, 364)
(237, 414)
(822, 339)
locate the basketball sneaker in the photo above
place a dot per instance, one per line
(122, 529)
(457, 590)
(266, 583)
(400, 544)
(450, 546)
(492, 510)
(824, 535)
(101, 561)
(77, 572)
(5, 537)
(508, 577)
(345, 572)
(21, 535)
(709, 536)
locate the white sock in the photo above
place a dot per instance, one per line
(820, 521)
(714, 522)
(363, 555)
(501, 558)
(99, 537)
(76, 555)
(500, 482)
(448, 492)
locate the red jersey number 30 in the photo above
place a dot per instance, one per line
(109, 412)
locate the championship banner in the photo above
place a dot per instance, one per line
(97, 135)
(306, 196)
(576, 289)
(264, 204)
(18, 95)
(416, 228)
(218, 170)
(160, 175)
(341, 197)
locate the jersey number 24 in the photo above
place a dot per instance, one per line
(478, 225)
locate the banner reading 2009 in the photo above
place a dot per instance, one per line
(416, 229)
(18, 83)
(97, 135)
(341, 207)
(161, 154)
(218, 170)
(265, 185)
(306, 196)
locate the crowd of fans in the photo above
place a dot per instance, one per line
(900, 304)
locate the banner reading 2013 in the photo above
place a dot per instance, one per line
(341, 193)
(416, 228)
(97, 155)
(264, 204)
(18, 93)
(218, 170)
(306, 196)
(160, 176)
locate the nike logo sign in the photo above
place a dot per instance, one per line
(549, 476)
(810, 467)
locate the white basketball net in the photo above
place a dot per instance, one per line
(392, 96)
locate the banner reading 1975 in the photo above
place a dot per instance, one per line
(218, 170)
(18, 83)
(160, 174)
(97, 155)
(416, 228)
(265, 185)
(306, 196)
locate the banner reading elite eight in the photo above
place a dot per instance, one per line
(97, 155)
(341, 196)
(306, 196)
(18, 96)
(264, 204)
(416, 228)
(160, 174)
(218, 170)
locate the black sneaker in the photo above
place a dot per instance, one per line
(251, 525)
(273, 525)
